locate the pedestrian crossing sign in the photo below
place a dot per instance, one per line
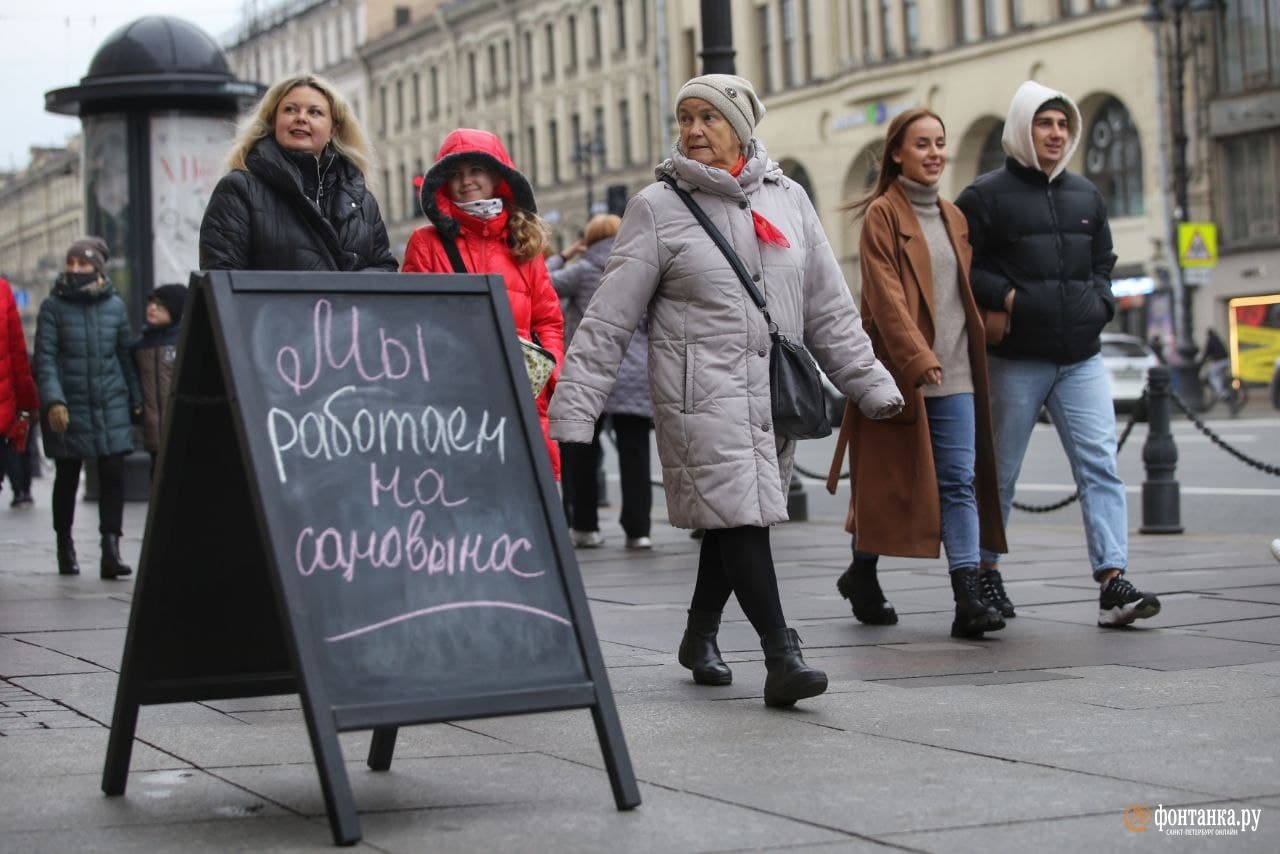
(1197, 244)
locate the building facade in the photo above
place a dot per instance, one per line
(834, 72)
(573, 88)
(41, 213)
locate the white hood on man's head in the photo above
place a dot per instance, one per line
(1017, 139)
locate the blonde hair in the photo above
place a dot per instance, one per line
(601, 226)
(529, 234)
(348, 137)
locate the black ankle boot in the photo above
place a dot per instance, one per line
(789, 678)
(992, 586)
(973, 614)
(111, 565)
(67, 564)
(860, 586)
(699, 652)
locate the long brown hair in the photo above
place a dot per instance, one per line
(894, 136)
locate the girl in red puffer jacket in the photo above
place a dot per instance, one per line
(476, 200)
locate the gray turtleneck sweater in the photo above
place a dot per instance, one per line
(950, 339)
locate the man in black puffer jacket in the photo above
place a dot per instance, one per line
(1042, 254)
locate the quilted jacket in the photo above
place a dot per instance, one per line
(83, 361)
(722, 464)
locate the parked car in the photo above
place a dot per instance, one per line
(1127, 359)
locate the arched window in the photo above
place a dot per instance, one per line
(991, 157)
(1113, 159)
(796, 172)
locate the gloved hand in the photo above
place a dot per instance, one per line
(59, 418)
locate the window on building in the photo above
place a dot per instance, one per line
(473, 84)
(790, 45)
(647, 108)
(990, 26)
(597, 119)
(620, 20)
(886, 29)
(526, 61)
(1249, 45)
(691, 51)
(492, 82)
(571, 49)
(386, 192)
(553, 149)
(959, 23)
(597, 38)
(575, 139)
(911, 26)
(1014, 8)
(642, 33)
(991, 157)
(382, 113)
(415, 108)
(766, 47)
(1113, 159)
(531, 152)
(506, 62)
(624, 128)
(406, 199)
(864, 30)
(433, 92)
(549, 37)
(1251, 176)
(806, 46)
(400, 104)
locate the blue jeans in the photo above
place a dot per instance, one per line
(1078, 398)
(953, 435)
(954, 439)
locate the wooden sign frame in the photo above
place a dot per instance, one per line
(193, 553)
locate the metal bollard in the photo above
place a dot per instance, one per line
(1161, 500)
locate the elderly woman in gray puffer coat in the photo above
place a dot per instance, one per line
(628, 408)
(723, 467)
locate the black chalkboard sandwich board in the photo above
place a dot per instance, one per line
(354, 502)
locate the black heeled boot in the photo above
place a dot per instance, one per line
(111, 565)
(860, 586)
(699, 651)
(992, 586)
(974, 615)
(67, 563)
(789, 678)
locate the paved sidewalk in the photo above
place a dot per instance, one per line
(1037, 739)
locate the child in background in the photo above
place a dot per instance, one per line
(154, 352)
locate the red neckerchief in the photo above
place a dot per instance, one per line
(766, 232)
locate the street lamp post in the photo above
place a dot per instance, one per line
(584, 149)
(1158, 14)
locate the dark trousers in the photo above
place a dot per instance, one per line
(739, 561)
(17, 465)
(66, 482)
(578, 472)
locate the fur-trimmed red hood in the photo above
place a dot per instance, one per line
(482, 146)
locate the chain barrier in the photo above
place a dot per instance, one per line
(1222, 443)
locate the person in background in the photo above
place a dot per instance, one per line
(18, 399)
(628, 408)
(296, 196)
(723, 466)
(91, 397)
(1042, 254)
(154, 353)
(928, 475)
(1215, 361)
(483, 209)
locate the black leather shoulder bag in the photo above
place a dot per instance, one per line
(798, 405)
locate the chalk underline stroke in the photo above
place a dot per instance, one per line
(452, 606)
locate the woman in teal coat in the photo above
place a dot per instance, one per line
(90, 393)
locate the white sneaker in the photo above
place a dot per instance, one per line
(646, 543)
(1275, 549)
(587, 539)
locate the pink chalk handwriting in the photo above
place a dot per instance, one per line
(395, 360)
